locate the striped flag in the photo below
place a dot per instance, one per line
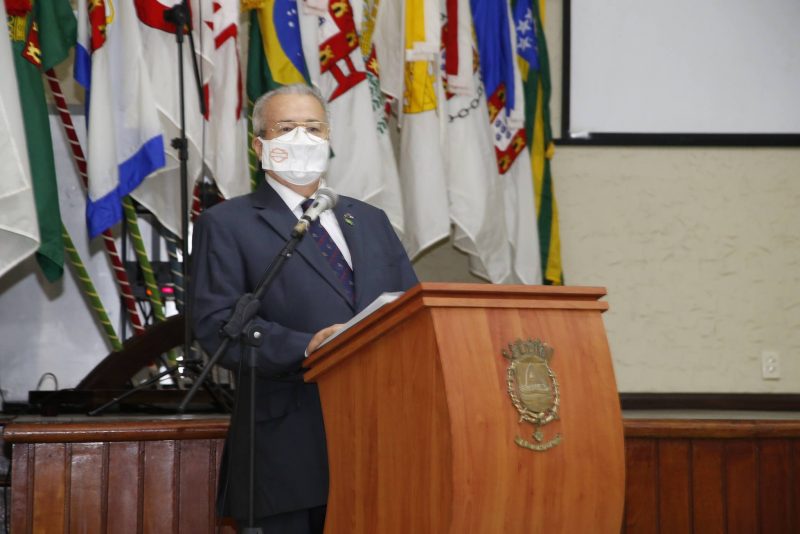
(42, 34)
(535, 69)
(226, 125)
(19, 230)
(125, 144)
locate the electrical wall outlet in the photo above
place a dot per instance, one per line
(770, 365)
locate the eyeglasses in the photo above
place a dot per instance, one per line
(318, 128)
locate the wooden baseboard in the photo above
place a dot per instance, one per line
(781, 402)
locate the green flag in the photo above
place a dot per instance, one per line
(41, 38)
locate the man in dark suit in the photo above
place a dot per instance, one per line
(233, 244)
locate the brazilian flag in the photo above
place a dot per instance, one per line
(535, 70)
(275, 56)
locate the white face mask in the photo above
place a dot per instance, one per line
(298, 157)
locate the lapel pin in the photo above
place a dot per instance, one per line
(349, 219)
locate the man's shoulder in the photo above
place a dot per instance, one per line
(361, 206)
(230, 208)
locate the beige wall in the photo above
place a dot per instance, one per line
(699, 249)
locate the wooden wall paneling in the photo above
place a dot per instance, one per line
(741, 475)
(159, 511)
(674, 486)
(708, 486)
(193, 487)
(641, 486)
(775, 486)
(124, 494)
(22, 494)
(50, 475)
(87, 465)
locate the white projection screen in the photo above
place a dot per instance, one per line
(695, 67)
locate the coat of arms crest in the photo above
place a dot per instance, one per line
(533, 389)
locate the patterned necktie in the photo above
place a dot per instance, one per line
(331, 253)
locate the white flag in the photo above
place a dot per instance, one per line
(476, 190)
(421, 164)
(161, 192)
(124, 136)
(19, 229)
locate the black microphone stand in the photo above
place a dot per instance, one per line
(180, 16)
(240, 326)
(247, 307)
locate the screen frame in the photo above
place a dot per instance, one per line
(650, 139)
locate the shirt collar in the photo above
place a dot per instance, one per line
(291, 198)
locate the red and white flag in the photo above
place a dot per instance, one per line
(363, 164)
(226, 123)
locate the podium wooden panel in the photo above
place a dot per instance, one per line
(421, 428)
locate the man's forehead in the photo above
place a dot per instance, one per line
(294, 108)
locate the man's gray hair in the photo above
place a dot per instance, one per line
(260, 121)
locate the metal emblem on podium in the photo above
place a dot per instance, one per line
(533, 388)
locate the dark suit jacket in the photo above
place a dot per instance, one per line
(233, 244)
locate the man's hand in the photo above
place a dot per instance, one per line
(321, 336)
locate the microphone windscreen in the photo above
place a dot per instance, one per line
(330, 194)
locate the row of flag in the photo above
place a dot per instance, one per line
(439, 113)
(463, 88)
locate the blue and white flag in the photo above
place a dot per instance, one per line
(125, 143)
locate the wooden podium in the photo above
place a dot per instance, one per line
(423, 433)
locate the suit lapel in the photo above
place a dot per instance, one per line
(281, 220)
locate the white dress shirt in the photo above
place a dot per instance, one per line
(327, 218)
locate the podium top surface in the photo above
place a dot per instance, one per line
(458, 295)
(502, 292)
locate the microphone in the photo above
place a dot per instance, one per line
(326, 199)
